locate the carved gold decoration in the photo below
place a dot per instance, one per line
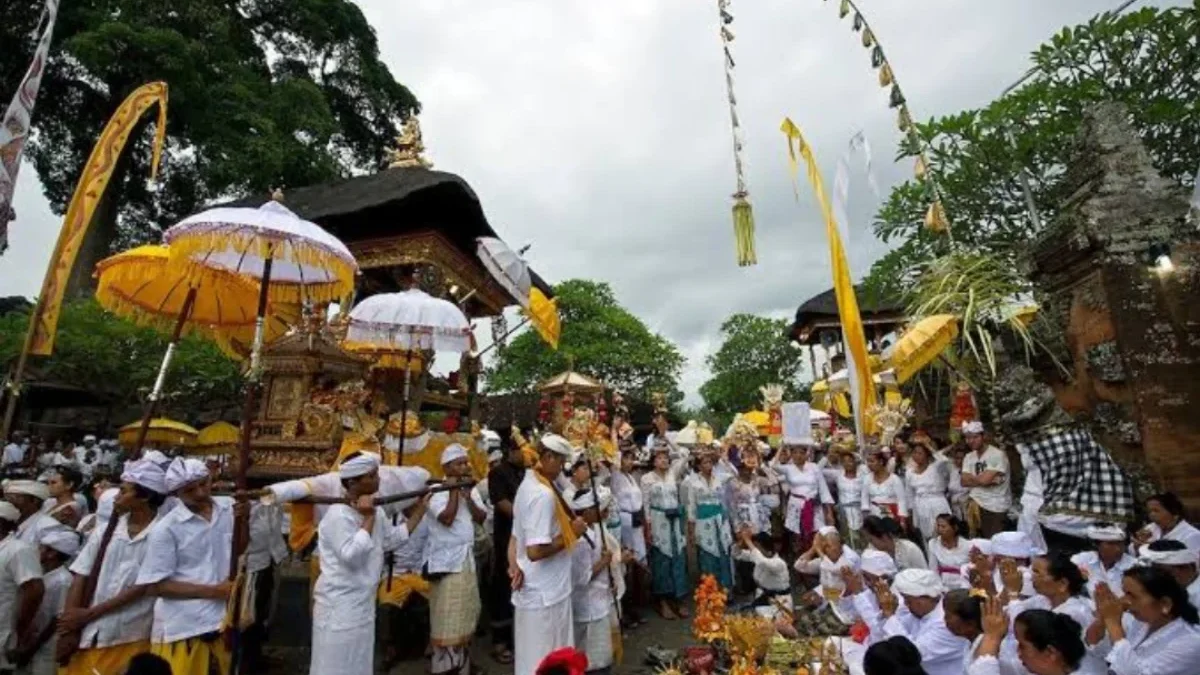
(410, 147)
(318, 420)
(288, 431)
(431, 248)
(285, 397)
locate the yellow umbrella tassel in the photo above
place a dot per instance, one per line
(743, 231)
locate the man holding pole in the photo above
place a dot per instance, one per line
(544, 532)
(592, 595)
(450, 562)
(187, 569)
(113, 625)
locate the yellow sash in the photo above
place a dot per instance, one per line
(560, 513)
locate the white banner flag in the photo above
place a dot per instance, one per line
(14, 128)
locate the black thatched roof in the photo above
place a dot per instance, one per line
(822, 308)
(391, 202)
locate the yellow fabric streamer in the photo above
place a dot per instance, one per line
(96, 176)
(843, 285)
(304, 526)
(868, 38)
(743, 231)
(920, 167)
(403, 586)
(560, 513)
(904, 121)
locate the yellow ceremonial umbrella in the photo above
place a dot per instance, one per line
(139, 284)
(543, 314)
(161, 431)
(218, 438)
(921, 344)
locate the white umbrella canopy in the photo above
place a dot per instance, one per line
(307, 263)
(506, 267)
(410, 319)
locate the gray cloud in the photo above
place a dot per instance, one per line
(599, 132)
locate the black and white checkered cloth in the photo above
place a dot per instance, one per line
(1079, 476)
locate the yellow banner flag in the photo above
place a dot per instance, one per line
(843, 286)
(96, 176)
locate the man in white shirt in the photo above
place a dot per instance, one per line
(592, 594)
(29, 496)
(352, 539)
(86, 455)
(115, 625)
(985, 475)
(264, 553)
(942, 652)
(56, 549)
(540, 559)
(187, 568)
(1106, 564)
(449, 559)
(14, 452)
(21, 586)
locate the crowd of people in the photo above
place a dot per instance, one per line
(916, 552)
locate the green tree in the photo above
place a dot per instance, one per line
(101, 352)
(755, 352)
(1146, 59)
(263, 93)
(600, 338)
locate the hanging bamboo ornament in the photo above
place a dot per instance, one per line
(935, 218)
(743, 213)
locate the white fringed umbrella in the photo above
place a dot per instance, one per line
(506, 267)
(408, 320)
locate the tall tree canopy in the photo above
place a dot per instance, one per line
(263, 93)
(601, 338)
(104, 353)
(1147, 59)
(754, 352)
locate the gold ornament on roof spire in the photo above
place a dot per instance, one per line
(410, 147)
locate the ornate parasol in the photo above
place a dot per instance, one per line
(218, 438)
(397, 325)
(139, 284)
(292, 260)
(161, 431)
(506, 267)
(921, 344)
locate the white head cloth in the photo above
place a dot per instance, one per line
(453, 452)
(797, 424)
(156, 457)
(919, 583)
(1106, 533)
(878, 563)
(147, 474)
(556, 444)
(983, 545)
(184, 471)
(62, 540)
(827, 529)
(1013, 545)
(1185, 556)
(9, 512)
(972, 427)
(27, 487)
(89, 437)
(360, 465)
(491, 439)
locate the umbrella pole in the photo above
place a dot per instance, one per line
(156, 392)
(501, 338)
(391, 556)
(241, 528)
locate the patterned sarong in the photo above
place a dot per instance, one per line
(454, 609)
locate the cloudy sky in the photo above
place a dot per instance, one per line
(599, 132)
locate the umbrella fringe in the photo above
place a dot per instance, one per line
(187, 249)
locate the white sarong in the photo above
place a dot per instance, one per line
(538, 632)
(595, 640)
(349, 651)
